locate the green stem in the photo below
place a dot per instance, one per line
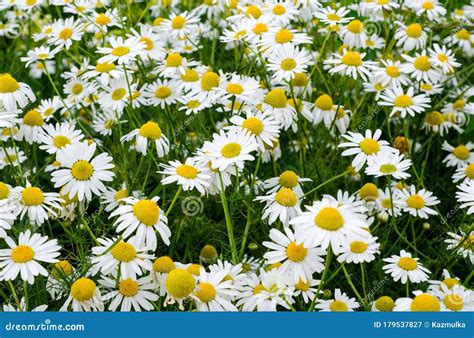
(323, 277)
(228, 222)
(349, 280)
(175, 198)
(15, 296)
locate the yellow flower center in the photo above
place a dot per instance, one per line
(415, 201)
(209, 80)
(403, 101)
(463, 34)
(453, 302)
(385, 304)
(205, 292)
(296, 252)
(302, 286)
(324, 102)
(61, 141)
(148, 43)
(22, 254)
(286, 197)
(288, 179)
(235, 88)
(459, 103)
(355, 26)
(276, 98)
(124, 252)
(178, 22)
(83, 289)
(427, 5)
(422, 63)
(338, 306)
(352, 59)
(120, 51)
(259, 288)
(388, 168)
(180, 283)
(358, 247)
(407, 263)
(102, 19)
(392, 71)
(450, 282)
(260, 28)
(158, 21)
(231, 150)
(333, 17)
(425, 303)
(128, 287)
(118, 94)
(162, 92)
(190, 76)
(65, 34)
(435, 118)
(122, 193)
(254, 11)
(8, 84)
(33, 118)
(240, 34)
(254, 125)
(82, 170)
(461, 152)
(386, 203)
(147, 212)
(163, 264)
(150, 130)
(193, 104)
(368, 191)
(288, 64)
(414, 30)
(187, 171)
(32, 196)
(329, 218)
(283, 36)
(62, 269)
(174, 60)
(194, 269)
(469, 173)
(77, 88)
(4, 191)
(300, 80)
(279, 10)
(369, 146)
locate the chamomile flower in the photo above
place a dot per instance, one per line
(391, 74)
(35, 203)
(299, 261)
(418, 203)
(39, 54)
(189, 175)
(461, 243)
(353, 34)
(121, 51)
(359, 250)
(179, 25)
(287, 60)
(130, 293)
(331, 16)
(404, 102)
(56, 137)
(231, 148)
(422, 302)
(278, 36)
(442, 57)
(459, 155)
(180, 285)
(14, 93)
(104, 73)
(420, 68)
(327, 223)
(262, 126)
(213, 291)
(65, 32)
(116, 95)
(411, 37)
(389, 206)
(465, 196)
(81, 174)
(23, 307)
(287, 179)
(11, 156)
(84, 295)
(142, 217)
(162, 93)
(149, 132)
(115, 256)
(240, 88)
(283, 204)
(388, 163)
(306, 289)
(431, 8)
(350, 63)
(23, 258)
(363, 146)
(340, 303)
(457, 298)
(405, 268)
(105, 122)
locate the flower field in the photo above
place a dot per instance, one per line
(236, 155)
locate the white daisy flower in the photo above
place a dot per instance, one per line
(84, 295)
(56, 137)
(213, 291)
(287, 60)
(462, 244)
(149, 131)
(287, 179)
(189, 175)
(142, 217)
(417, 203)
(350, 63)
(359, 250)
(457, 298)
(283, 204)
(122, 51)
(423, 302)
(299, 261)
(130, 293)
(23, 258)
(388, 163)
(13, 93)
(353, 34)
(404, 103)
(340, 303)
(332, 17)
(81, 175)
(65, 32)
(460, 155)
(162, 93)
(465, 196)
(444, 58)
(405, 268)
(391, 74)
(411, 37)
(420, 68)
